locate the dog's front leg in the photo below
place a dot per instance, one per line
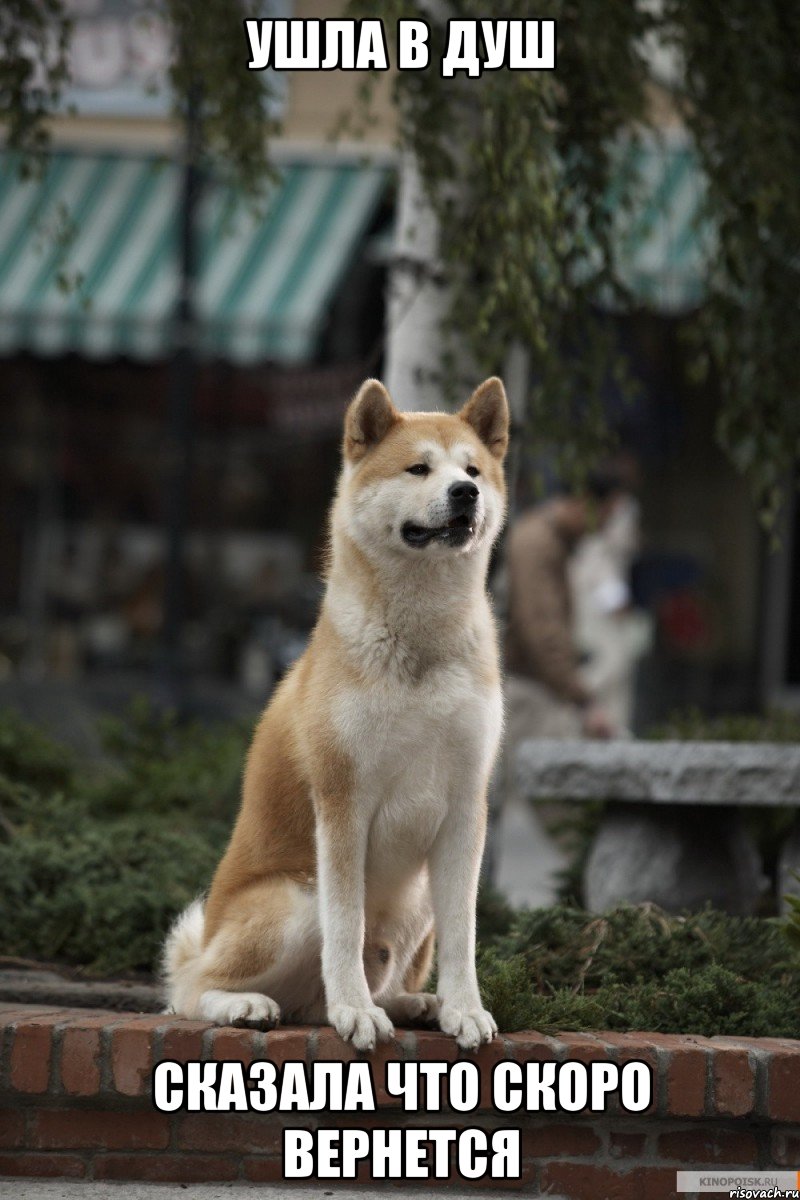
(454, 866)
(341, 857)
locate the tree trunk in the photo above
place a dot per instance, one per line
(417, 300)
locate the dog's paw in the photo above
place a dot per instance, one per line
(361, 1026)
(413, 1006)
(469, 1026)
(251, 1009)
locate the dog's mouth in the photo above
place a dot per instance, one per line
(456, 532)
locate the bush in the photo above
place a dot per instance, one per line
(161, 766)
(638, 968)
(95, 861)
(100, 894)
(691, 725)
(30, 756)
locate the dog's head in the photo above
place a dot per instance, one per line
(424, 484)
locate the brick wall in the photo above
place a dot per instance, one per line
(75, 1102)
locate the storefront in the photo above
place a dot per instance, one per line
(288, 314)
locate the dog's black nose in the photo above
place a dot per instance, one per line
(462, 494)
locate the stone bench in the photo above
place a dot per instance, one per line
(672, 832)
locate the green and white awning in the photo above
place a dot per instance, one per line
(88, 252)
(663, 246)
(88, 257)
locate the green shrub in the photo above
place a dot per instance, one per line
(160, 765)
(95, 863)
(100, 894)
(638, 968)
(96, 860)
(710, 1002)
(567, 947)
(792, 923)
(692, 725)
(30, 756)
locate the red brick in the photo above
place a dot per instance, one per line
(636, 1047)
(234, 1045)
(583, 1047)
(288, 1045)
(626, 1145)
(533, 1047)
(12, 1128)
(386, 1052)
(41, 1166)
(32, 1052)
(183, 1041)
(612, 1048)
(734, 1083)
(264, 1170)
(687, 1071)
(132, 1055)
(686, 1085)
(658, 1183)
(11, 1013)
(331, 1047)
(582, 1181)
(14, 1014)
(552, 1141)
(486, 1057)
(770, 1044)
(632, 1043)
(709, 1147)
(74, 1129)
(785, 1148)
(435, 1047)
(648, 1057)
(237, 1132)
(522, 1182)
(784, 1085)
(166, 1168)
(80, 1061)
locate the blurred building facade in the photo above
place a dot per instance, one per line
(289, 315)
(290, 307)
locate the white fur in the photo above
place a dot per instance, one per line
(238, 1008)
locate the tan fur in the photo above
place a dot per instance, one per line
(417, 974)
(301, 783)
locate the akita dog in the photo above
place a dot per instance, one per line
(364, 799)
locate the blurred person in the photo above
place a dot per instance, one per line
(547, 695)
(611, 634)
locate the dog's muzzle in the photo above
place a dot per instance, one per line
(462, 498)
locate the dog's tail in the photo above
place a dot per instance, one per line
(182, 950)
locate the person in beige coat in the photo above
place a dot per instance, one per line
(543, 671)
(545, 694)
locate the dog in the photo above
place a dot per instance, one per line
(363, 812)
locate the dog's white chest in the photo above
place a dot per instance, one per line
(415, 751)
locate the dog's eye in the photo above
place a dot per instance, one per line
(472, 471)
(419, 469)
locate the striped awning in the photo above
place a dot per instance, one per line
(89, 257)
(663, 246)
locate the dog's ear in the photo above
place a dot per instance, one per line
(369, 418)
(487, 412)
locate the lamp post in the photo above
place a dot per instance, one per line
(180, 404)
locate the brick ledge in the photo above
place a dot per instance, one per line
(74, 1101)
